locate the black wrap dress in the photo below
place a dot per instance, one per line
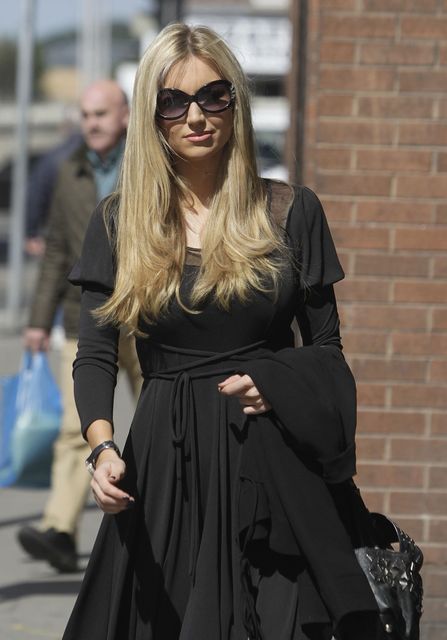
(192, 560)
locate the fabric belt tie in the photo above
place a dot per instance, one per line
(183, 423)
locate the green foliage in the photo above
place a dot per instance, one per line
(124, 47)
(8, 68)
(8, 63)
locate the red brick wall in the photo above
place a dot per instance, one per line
(376, 153)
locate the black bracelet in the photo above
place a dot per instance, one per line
(90, 463)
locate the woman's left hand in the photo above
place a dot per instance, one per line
(244, 389)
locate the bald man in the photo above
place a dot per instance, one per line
(86, 177)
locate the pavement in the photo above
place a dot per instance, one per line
(35, 600)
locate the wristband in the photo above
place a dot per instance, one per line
(90, 463)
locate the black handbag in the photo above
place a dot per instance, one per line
(394, 577)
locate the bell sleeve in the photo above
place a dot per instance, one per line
(318, 268)
(96, 267)
(95, 367)
(311, 241)
(311, 389)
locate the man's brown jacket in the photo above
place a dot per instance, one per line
(73, 203)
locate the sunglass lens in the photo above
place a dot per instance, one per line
(215, 97)
(171, 103)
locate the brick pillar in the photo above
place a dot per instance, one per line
(375, 152)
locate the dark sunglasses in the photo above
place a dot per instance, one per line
(213, 97)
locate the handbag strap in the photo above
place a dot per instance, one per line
(391, 532)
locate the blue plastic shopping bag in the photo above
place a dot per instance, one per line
(30, 414)
(8, 396)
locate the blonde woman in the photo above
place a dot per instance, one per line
(230, 512)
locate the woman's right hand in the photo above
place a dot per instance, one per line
(110, 469)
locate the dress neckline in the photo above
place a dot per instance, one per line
(193, 256)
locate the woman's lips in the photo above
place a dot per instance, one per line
(199, 137)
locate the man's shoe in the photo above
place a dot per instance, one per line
(55, 547)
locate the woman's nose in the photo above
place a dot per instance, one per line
(195, 114)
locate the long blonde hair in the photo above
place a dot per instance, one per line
(240, 246)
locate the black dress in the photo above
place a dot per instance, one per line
(180, 564)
